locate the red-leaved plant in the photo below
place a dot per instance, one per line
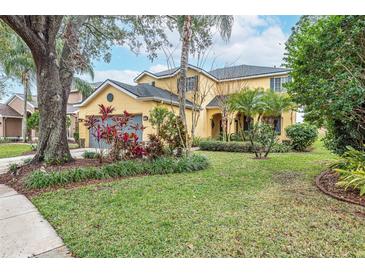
(117, 132)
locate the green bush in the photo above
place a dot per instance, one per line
(163, 165)
(196, 141)
(90, 155)
(301, 136)
(281, 148)
(352, 170)
(226, 146)
(13, 168)
(77, 137)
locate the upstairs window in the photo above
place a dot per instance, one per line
(191, 83)
(277, 83)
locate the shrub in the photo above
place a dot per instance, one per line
(352, 170)
(77, 137)
(124, 144)
(196, 141)
(172, 132)
(226, 146)
(301, 135)
(4, 140)
(90, 155)
(34, 147)
(162, 165)
(154, 147)
(13, 168)
(281, 148)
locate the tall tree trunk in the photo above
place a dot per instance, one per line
(26, 93)
(53, 79)
(52, 103)
(186, 39)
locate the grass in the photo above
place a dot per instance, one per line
(238, 207)
(13, 150)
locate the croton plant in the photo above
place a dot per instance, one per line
(118, 131)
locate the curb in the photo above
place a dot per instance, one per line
(337, 197)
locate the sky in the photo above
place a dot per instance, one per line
(255, 40)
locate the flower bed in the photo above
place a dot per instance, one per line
(163, 165)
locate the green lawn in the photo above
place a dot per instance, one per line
(12, 150)
(239, 207)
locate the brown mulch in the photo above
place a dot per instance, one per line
(326, 182)
(16, 181)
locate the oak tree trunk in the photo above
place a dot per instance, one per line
(52, 104)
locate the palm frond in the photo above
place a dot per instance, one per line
(83, 86)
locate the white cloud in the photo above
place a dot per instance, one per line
(158, 68)
(255, 41)
(125, 76)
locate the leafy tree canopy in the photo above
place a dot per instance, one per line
(327, 57)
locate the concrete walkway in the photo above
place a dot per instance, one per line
(23, 230)
(6, 162)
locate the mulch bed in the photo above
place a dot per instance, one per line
(16, 181)
(326, 182)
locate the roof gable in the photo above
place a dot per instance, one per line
(6, 111)
(144, 92)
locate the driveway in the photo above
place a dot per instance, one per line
(6, 162)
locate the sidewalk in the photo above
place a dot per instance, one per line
(23, 231)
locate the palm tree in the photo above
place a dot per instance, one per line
(189, 28)
(250, 103)
(17, 63)
(257, 102)
(274, 105)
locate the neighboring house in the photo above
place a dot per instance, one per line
(11, 114)
(160, 88)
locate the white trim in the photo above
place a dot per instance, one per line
(256, 76)
(173, 74)
(100, 88)
(11, 99)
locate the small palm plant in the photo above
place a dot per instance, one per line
(259, 103)
(352, 170)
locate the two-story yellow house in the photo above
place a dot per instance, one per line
(153, 89)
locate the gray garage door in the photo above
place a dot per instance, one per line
(137, 119)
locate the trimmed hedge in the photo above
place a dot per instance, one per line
(226, 146)
(164, 165)
(240, 146)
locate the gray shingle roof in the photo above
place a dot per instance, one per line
(7, 111)
(244, 71)
(214, 102)
(149, 91)
(229, 72)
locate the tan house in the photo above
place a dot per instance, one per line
(153, 89)
(11, 115)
